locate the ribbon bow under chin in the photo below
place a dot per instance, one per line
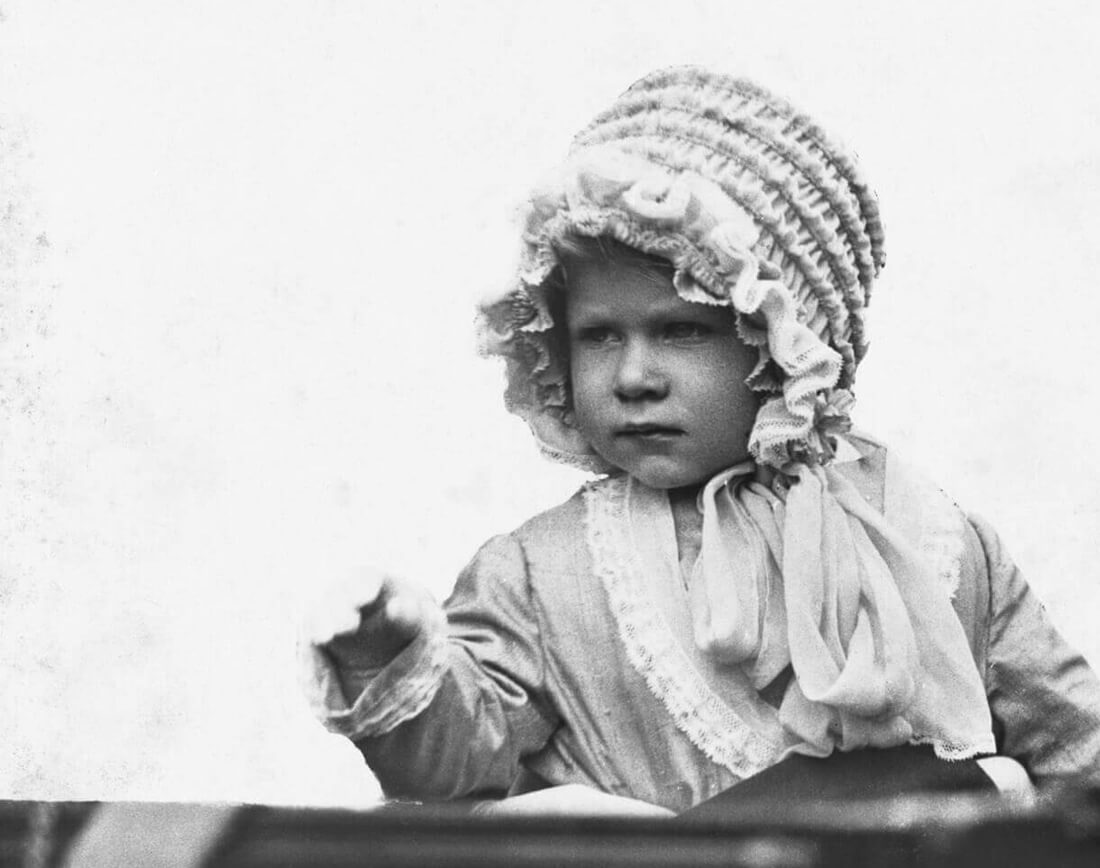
(811, 576)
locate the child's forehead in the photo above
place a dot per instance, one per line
(630, 284)
(602, 249)
(593, 261)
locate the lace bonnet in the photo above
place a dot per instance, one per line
(755, 208)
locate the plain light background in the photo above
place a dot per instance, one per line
(240, 247)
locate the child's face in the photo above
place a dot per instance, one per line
(658, 382)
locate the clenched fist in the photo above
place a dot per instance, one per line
(368, 619)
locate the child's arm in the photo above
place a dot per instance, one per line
(1044, 697)
(442, 710)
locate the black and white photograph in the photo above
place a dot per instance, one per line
(513, 433)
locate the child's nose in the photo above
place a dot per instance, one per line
(639, 373)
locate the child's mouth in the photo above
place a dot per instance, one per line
(646, 433)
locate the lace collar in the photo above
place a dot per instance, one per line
(632, 541)
(629, 525)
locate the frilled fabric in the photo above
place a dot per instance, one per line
(755, 207)
(709, 240)
(387, 698)
(778, 161)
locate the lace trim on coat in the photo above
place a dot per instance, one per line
(711, 725)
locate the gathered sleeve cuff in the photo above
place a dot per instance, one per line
(383, 698)
(459, 709)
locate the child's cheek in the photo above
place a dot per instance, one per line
(592, 400)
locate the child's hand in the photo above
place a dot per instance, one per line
(366, 620)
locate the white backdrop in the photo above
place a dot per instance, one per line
(240, 245)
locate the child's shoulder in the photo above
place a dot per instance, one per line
(562, 532)
(562, 517)
(567, 519)
(548, 548)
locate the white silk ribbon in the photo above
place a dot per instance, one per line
(811, 576)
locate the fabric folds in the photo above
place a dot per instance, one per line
(804, 572)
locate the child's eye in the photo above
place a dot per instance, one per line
(596, 335)
(679, 331)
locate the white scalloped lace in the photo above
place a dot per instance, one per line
(710, 724)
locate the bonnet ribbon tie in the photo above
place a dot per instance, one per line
(813, 577)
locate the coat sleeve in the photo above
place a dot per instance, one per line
(455, 713)
(1044, 697)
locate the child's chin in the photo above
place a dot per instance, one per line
(668, 477)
